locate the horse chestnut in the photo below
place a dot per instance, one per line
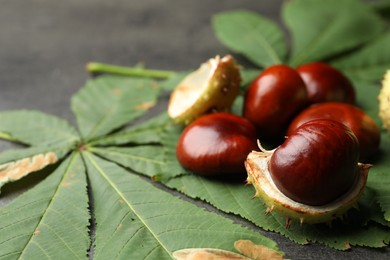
(314, 176)
(217, 145)
(273, 99)
(317, 163)
(325, 83)
(361, 124)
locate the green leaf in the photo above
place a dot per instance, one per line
(169, 138)
(147, 132)
(367, 98)
(51, 139)
(233, 198)
(35, 128)
(370, 208)
(250, 34)
(236, 198)
(322, 29)
(151, 160)
(379, 177)
(147, 159)
(13, 171)
(171, 83)
(369, 63)
(109, 102)
(20, 153)
(51, 220)
(248, 75)
(31, 159)
(151, 223)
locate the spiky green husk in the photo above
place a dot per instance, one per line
(384, 101)
(259, 176)
(211, 88)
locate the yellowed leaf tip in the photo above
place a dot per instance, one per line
(347, 246)
(16, 170)
(206, 254)
(145, 105)
(255, 251)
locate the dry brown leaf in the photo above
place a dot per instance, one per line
(206, 254)
(256, 252)
(16, 170)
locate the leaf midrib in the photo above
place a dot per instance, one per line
(111, 139)
(122, 196)
(101, 122)
(126, 155)
(71, 162)
(307, 51)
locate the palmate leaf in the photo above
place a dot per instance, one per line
(236, 198)
(50, 138)
(18, 169)
(256, 37)
(367, 96)
(36, 128)
(169, 138)
(147, 132)
(21, 153)
(24, 161)
(369, 63)
(109, 102)
(50, 221)
(370, 209)
(149, 223)
(322, 29)
(146, 159)
(379, 177)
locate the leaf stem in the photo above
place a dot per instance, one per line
(96, 68)
(8, 137)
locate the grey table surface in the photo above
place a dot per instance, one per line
(45, 44)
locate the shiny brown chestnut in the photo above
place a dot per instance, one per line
(217, 145)
(317, 163)
(313, 177)
(326, 83)
(272, 100)
(361, 124)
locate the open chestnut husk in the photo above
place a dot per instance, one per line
(314, 176)
(384, 101)
(212, 87)
(216, 145)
